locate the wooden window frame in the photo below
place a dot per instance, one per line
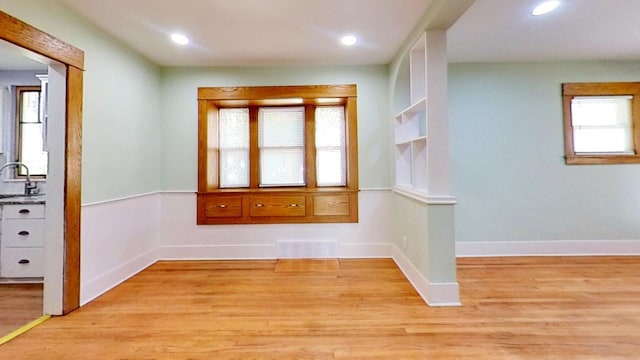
(571, 90)
(18, 130)
(308, 203)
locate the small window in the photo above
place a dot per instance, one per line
(29, 142)
(600, 123)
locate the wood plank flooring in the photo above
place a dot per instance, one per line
(19, 305)
(514, 308)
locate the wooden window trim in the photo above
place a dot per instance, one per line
(17, 139)
(316, 210)
(570, 90)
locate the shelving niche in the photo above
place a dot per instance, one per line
(410, 127)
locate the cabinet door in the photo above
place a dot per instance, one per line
(277, 205)
(329, 205)
(22, 262)
(22, 233)
(223, 206)
(23, 211)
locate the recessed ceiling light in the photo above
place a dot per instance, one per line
(179, 39)
(545, 7)
(349, 40)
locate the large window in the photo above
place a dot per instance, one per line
(281, 146)
(277, 154)
(601, 122)
(29, 141)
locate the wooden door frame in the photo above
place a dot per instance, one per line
(50, 48)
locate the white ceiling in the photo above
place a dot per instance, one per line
(257, 32)
(504, 30)
(15, 58)
(306, 32)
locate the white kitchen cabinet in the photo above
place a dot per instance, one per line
(22, 241)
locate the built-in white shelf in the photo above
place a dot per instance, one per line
(410, 127)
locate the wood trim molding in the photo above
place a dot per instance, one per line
(26, 36)
(570, 90)
(51, 48)
(256, 205)
(276, 92)
(72, 190)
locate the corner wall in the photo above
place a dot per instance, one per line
(516, 195)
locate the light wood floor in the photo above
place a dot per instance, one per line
(19, 305)
(514, 308)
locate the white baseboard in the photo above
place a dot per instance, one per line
(360, 251)
(262, 251)
(218, 252)
(434, 294)
(547, 248)
(97, 286)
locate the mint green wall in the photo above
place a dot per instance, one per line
(121, 132)
(507, 150)
(180, 117)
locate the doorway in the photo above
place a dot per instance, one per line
(62, 248)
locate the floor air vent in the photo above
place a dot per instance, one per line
(292, 249)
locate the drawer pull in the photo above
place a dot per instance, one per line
(24, 261)
(294, 205)
(259, 205)
(24, 211)
(222, 206)
(23, 233)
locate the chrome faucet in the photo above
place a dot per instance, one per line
(30, 187)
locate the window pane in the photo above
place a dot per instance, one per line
(601, 124)
(330, 146)
(601, 110)
(282, 167)
(234, 147)
(602, 140)
(31, 149)
(29, 111)
(281, 143)
(330, 126)
(281, 127)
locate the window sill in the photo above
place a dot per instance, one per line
(602, 159)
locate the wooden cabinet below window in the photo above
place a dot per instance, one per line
(277, 207)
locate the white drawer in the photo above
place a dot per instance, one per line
(26, 211)
(22, 233)
(22, 262)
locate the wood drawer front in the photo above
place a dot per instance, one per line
(22, 233)
(328, 205)
(26, 211)
(277, 205)
(22, 262)
(223, 206)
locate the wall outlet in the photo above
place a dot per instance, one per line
(404, 242)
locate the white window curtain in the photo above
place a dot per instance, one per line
(281, 142)
(234, 147)
(330, 146)
(602, 124)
